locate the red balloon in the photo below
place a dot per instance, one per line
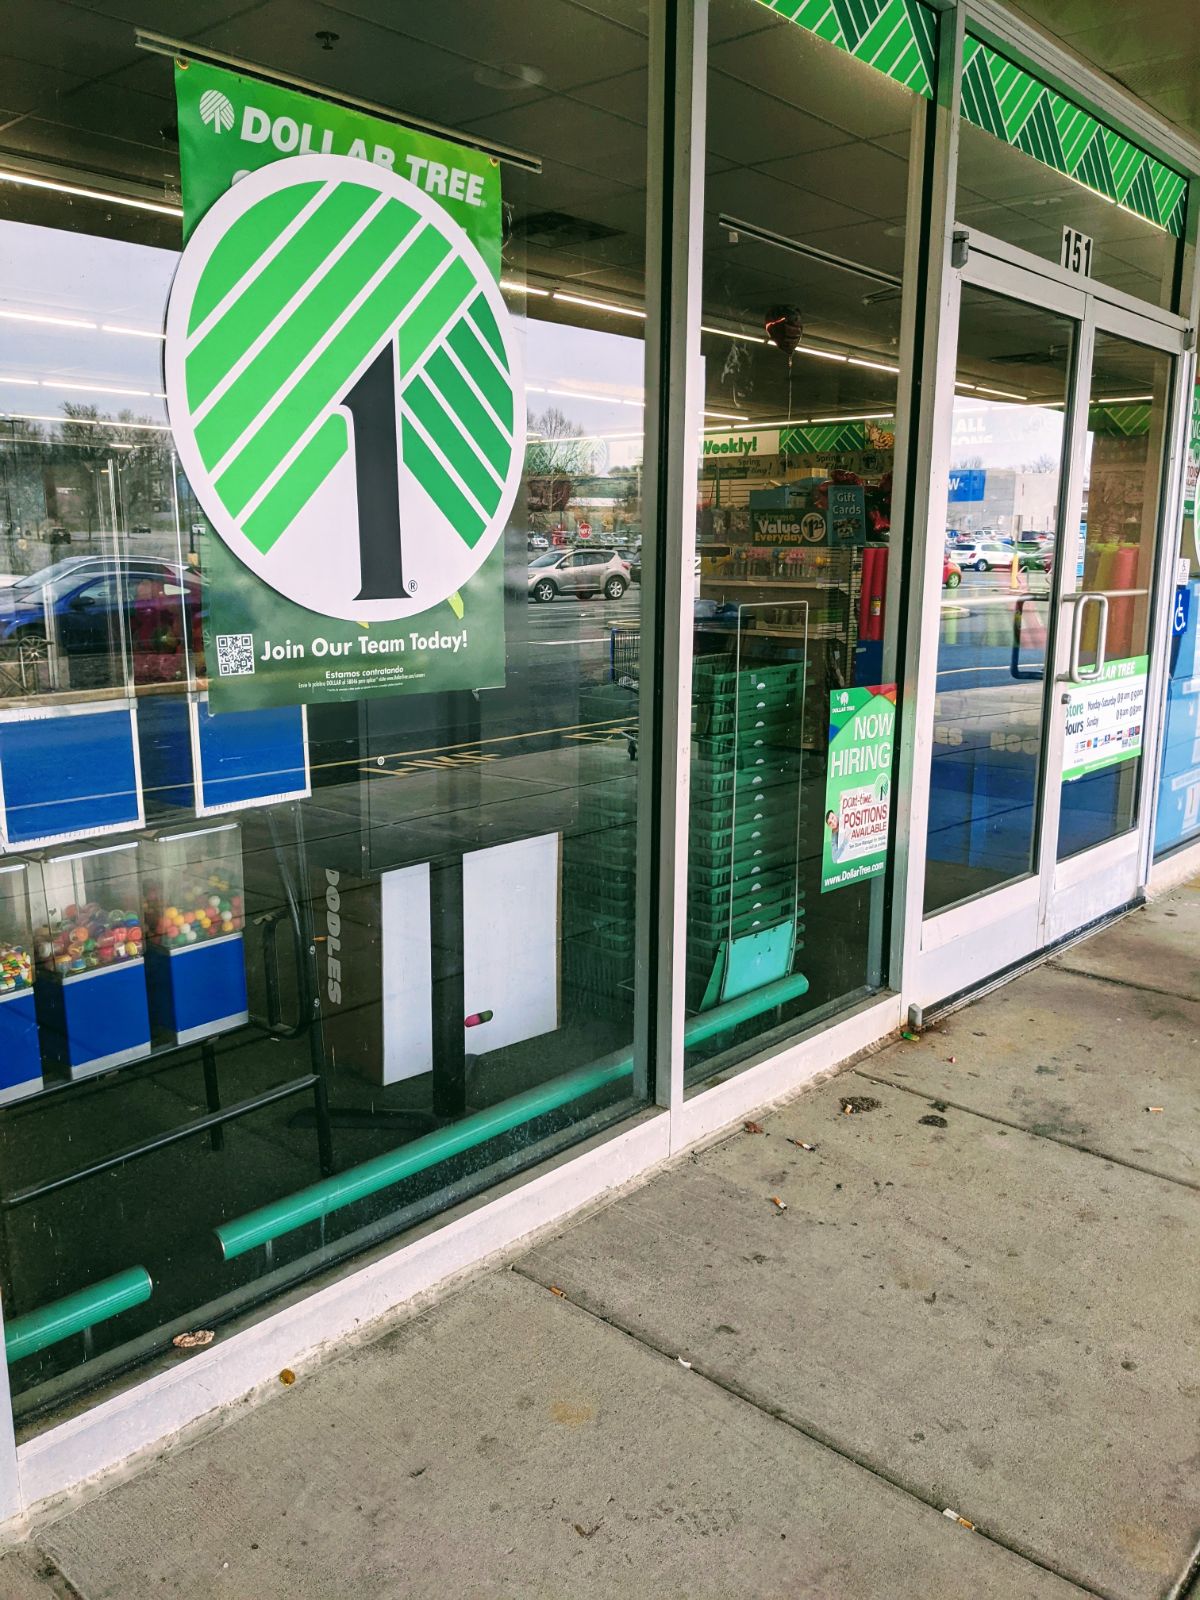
(785, 327)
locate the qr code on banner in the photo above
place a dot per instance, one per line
(235, 654)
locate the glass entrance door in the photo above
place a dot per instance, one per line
(1046, 548)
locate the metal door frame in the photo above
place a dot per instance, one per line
(961, 946)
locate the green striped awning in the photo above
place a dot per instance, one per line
(896, 37)
(1005, 100)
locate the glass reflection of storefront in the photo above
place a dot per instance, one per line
(283, 979)
(288, 969)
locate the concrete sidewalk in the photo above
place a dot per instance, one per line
(980, 1293)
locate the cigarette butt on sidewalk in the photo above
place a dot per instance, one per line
(954, 1517)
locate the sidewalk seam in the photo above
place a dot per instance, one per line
(808, 1431)
(1020, 1127)
(1122, 983)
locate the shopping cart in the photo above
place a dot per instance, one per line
(624, 645)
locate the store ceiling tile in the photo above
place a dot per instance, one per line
(623, 96)
(1152, 50)
(746, 192)
(878, 182)
(741, 127)
(802, 70)
(564, 43)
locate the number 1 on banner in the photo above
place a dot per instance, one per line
(371, 402)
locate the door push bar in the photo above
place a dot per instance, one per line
(1075, 672)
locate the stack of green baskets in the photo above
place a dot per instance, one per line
(599, 885)
(745, 786)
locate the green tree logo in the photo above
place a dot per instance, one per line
(342, 377)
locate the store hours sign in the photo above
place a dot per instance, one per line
(343, 380)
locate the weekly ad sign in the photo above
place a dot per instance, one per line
(343, 381)
(858, 784)
(1105, 718)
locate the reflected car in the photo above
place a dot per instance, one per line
(984, 554)
(1036, 555)
(951, 572)
(578, 572)
(88, 604)
(537, 541)
(633, 560)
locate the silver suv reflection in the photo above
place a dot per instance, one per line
(578, 572)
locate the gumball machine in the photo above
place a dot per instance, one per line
(89, 951)
(194, 913)
(20, 1054)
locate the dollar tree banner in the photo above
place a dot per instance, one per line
(858, 784)
(1105, 717)
(344, 388)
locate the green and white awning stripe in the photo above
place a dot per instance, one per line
(1005, 100)
(264, 393)
(896, 37)
(1127, 421)
(816, 440)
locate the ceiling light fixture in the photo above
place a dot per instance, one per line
(134, 333)
(727, 416)
(54, 322)
(86, 422)
(855, 416)
(92, 388)
(728, 333)
(599, 305)
(1004, 394)
(514, 286)
(824, 355)
(29, 182)
(880, 366)
(30, 383)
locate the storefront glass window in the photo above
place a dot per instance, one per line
(275, 983)
(1119, 538)
(1178, 816)
(793, 705)
(1002, 520)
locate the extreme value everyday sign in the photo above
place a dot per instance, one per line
(858, 784)
(344, 389)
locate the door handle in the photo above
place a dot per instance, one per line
(1075, 672)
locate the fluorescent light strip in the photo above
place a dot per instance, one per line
(824, 355)
(134, 333)
(1004, 394)
(30, 383)
(727, 416)
(880, 366)
(58, 444)
(85, 422)
(854, 416)
(728, 333)
(599, 305)
(27, 182)
(1120, 399)
(514, 287)
(91, 388)
(54, 322)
